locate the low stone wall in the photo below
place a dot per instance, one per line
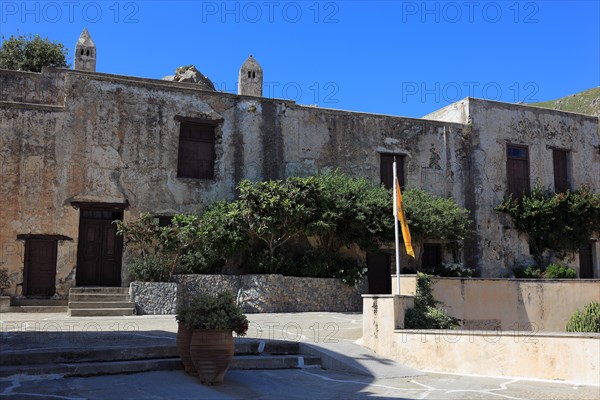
(156, 298)
(510, 304)
(256, 293)
(571, 357)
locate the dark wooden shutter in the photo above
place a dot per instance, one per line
(586, 261)
(517, 170)
(561, 180)
(386, 172)
(432, 256)
(196, 155)
(40, 267)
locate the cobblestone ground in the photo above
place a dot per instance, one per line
(287, 384)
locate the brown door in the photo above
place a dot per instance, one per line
(40, 267)
(586, 262)
(100, 249)
(379, 274)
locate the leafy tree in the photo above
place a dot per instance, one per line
(31, 53)
(276, 211)
(558, 222)
(190, 244)
(433, 217)
(352, 211)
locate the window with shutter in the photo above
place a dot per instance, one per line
(517, 170)
(561, 178)
(386, 170)
(196, 155)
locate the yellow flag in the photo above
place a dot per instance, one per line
(403, 224)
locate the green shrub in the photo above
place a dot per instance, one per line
(324, 264)
(558, 271)
(207, 311)
(559, 222)
(426, 313)
(149, 268)
(586, 321)
(553, 271)
(452, 270)
(530, 272)
(263, 262)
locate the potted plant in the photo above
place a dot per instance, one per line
(212, 319)
(184, 337)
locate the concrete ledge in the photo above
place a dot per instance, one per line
(570, 357)
(509, 304)
(4, 303)
(567, 357)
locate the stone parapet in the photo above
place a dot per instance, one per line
(256, 293)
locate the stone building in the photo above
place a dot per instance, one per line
(79, 149)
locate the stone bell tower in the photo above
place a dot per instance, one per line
(85, 52)
(250, 80)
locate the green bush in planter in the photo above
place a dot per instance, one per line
(586, 321)
(213, 312)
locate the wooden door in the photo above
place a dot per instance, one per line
(99, 250)
(379, 273)
(586, 262)
(40, 267)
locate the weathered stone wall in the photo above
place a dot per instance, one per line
(256, 293)
(496, 247)
(30, 87)
(68, 136)
(156, 298)
(116, 140)
(494, 126)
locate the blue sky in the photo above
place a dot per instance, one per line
(404, 58)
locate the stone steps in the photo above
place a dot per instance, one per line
(83, 355)
(249, 354)
(40, 302)
(38, 309)
(99, 290)
(100, 302)
(99, 311)
(96, 304)
(36, 306)
(97, 298)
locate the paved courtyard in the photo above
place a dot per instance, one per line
(335, 331)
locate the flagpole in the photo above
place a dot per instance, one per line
(396, 230)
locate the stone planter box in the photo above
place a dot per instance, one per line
(257, 293)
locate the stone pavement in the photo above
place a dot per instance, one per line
(352, 372)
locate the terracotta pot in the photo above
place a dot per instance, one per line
(211, 352)
(184, 336)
